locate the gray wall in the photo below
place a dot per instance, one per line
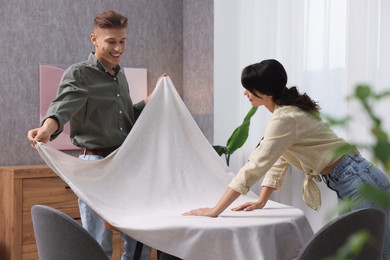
(173, 36)
(198, 62)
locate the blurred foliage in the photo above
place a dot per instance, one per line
(380, 148)
(380, 151)
(238, 137)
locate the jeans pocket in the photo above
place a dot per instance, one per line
(348, 174)
(344, 181)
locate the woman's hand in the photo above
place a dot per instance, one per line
(248, 206)
(265, 193)
(206, 212)
(227, 198)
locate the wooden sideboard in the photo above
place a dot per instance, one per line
(21, 187)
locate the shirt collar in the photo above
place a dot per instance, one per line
(92, 58)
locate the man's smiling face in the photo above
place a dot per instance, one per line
(110, 44)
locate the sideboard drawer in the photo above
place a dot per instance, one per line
(53, 192)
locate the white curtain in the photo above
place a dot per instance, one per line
(327, 48)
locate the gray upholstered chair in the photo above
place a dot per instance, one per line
(58, 236)
(331, 237)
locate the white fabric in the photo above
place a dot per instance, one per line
(166, 167)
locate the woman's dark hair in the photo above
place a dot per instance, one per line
(270, 78)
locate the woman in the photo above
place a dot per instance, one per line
(296, 136)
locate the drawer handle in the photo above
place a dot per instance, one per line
(67, 187)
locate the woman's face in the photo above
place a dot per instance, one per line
(257, 99)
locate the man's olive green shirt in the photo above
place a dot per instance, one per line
(96, 103)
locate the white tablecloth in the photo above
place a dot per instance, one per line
(166, 167)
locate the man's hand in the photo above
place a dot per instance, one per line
(162, 76)
(43, 133)
(146, 99)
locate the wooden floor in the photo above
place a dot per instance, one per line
(153, 255)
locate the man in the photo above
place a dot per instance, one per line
(94, 96)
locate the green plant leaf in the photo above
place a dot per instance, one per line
(374, 194)
(220, 149)
(384, 94)
(381, 151)
(378, 132)
(362, 92)
(353, 246)
(344, 149)
(337, 121)
(240, 134)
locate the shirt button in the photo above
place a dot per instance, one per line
(118, 95)
(115, 78)
(121, 128)
(120, 111)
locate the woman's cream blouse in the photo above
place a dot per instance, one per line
(293, 137)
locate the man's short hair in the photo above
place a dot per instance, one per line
(109, 20)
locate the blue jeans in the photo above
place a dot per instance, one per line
(353, 171)
(94, 224)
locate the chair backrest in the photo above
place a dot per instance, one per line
(334, 235)
(58, 236)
